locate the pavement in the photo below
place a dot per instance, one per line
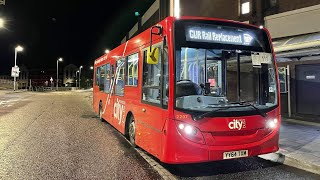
(299, 145)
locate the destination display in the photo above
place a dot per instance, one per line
(215, 34)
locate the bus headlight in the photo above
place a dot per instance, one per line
(272, 123)
(190, 132)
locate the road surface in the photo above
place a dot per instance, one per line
(56, 135)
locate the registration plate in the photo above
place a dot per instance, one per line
(235, 154)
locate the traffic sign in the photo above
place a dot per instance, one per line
(15, 71)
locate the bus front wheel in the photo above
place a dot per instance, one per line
(100, 111)
(132, 132)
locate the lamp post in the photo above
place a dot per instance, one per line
(91, 74)
(59, 60)
(80, 76)
(77, 78)
(16, 50)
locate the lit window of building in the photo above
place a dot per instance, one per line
(245, 8)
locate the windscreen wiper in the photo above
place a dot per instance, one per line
(195, 118)
(244, 103)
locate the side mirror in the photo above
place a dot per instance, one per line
(153, 56)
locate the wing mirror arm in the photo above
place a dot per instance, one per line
(159, 33)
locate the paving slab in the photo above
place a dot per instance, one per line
(299, 145)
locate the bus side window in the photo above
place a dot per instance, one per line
(107, 79)
(97, 76)
(102, 77)
(120, 71)
(132, 70)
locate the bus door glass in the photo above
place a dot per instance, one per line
(154, 96)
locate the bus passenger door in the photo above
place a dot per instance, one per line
(154, 100)
(109, 89)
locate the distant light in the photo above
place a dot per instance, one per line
(261, 27)
(78, 71)
(177, 8)
(81, 67)
(107, 51)
(2, 22)
(245, 8)
(91, 67)
(136, 13)
(60, 59)
(19, 48)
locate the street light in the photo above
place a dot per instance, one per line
(77, 78)
(177, 8)
(16, 50)
(59, 60)
(80, 76)
(91, 67)
(2, 22)
(107, 51)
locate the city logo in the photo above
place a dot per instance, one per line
(237, 124)
(118, 110)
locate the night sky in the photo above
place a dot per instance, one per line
(77, 30)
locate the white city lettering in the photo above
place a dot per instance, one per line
(118, 110)
(237, 124)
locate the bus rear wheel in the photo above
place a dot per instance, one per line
(132, 132)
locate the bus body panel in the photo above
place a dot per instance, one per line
(179, 150)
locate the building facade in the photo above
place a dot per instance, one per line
(23, 79)
(294, 27)
(70, 75)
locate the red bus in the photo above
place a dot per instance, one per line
(192, 90)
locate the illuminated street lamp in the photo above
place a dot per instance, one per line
(91, 67)
(77, 78)
(177, 8)
(16, 50)
(2, 22)
(59, 60)
(80, 76)
(107, 51)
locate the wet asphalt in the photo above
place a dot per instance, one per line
(57, 136)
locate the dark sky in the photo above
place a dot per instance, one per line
(77, 30)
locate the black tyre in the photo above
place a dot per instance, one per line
(132, 132)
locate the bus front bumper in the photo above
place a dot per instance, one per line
(179, 150)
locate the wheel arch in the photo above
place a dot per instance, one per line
(126, 127)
